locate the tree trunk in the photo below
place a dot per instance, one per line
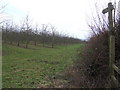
(27, 44)
(11, 42)
(52, 45)
(35, 43)
(18, 44)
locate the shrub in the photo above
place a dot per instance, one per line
(95, 58)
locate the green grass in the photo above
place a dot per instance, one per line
(0, 65)
(29, 68)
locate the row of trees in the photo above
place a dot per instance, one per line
(26, 34)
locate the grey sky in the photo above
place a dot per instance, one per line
(68, 16)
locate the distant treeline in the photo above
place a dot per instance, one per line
(26, 34)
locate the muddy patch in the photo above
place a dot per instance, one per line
(43, 61)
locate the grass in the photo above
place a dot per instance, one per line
(29, 68)
(0, 65)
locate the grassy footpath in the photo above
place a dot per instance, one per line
(32, 67)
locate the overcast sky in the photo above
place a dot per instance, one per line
(68, 16)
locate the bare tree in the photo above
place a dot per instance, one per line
(35, 35)
(44, 33)
(18, 34)
(27, 30)
(53, 35)
(12, 33)
(2, 8)
(5, 29)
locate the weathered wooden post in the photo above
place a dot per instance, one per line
(111, 38)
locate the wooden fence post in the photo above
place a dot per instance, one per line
(115, 83)
(111, 40)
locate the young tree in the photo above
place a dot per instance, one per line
(5, 33)
(44, 33)
(2, 7)
(27, 30)
(53, 35)
(11, 33)
(35, 35)
(18, 35)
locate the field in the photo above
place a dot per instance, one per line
(35, 66)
